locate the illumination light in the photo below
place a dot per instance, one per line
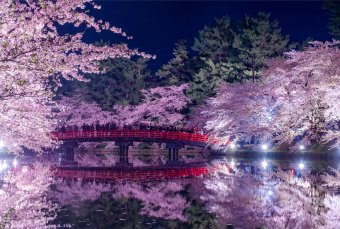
(301, 147)
(301, 165)
(270, 192)
(4, 165)
(15, 162)
(264, 146)
(232, 145)
(232, 163)
(264, 164)
(2, 144)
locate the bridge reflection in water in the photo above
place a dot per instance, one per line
(131, 173)
(125, 138)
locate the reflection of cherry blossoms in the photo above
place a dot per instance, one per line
(23, 199)
(160, 199)
(72, 193)
(277, 201)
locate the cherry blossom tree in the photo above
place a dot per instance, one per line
(35, 54)
(24, 203)
(298, 98)
(331, 203)
(238, 110)
(161, 105)
(76, 112)
(307, 94)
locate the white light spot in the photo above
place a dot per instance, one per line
(232, 145)
(264, 164)
(301, 147)
(264, 147)
(5, 165)
(15, 162)
(2, 144)
(301, 165)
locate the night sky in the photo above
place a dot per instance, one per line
(157, 25)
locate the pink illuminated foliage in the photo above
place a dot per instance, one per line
(161, 106)
(297, 97)
(75, 112)
(161, 199)
(273, 200)
(72, 193)
(35, 55)
(23, 197)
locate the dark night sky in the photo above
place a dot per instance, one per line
(157, 25)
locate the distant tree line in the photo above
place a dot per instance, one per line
(224, 51)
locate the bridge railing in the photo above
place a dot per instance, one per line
(135, 134)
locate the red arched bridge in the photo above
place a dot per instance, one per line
(194, 139)
(124, 138)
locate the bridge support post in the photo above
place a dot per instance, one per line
(173, 153)
(124, 152)
(67, 153)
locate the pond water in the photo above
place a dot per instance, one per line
(239, 190)
(246, 191)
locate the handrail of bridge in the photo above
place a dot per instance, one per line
(136, 134)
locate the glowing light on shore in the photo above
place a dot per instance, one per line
(4, 165)
(232, 145)
(2, 144)
(301, 147)
(301, 165)
(264, 146)
(264, 164)
(232, 163)
(15, 162)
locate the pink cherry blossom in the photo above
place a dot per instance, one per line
(297, 97)
(23, 197)
(161, 106)
(35, 54)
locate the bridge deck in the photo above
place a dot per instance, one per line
(137, 135)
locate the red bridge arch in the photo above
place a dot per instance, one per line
(138, 135)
